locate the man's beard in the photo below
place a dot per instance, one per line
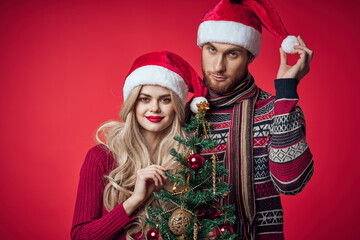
(222, 88)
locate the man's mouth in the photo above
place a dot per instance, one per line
(218, 78)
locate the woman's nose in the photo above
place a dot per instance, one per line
(155, 107)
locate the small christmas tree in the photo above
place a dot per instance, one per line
(194, 210)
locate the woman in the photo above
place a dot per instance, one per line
(120, 174)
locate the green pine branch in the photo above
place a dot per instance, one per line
(194, 188)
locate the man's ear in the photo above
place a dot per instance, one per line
(251, 58)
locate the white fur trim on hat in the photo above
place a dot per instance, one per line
(288, 43)
(156, 75)
(230, 32)
(195, 101)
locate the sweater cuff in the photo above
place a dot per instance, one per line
(286, 88)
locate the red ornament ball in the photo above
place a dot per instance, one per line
(153, 234)
(195, 161)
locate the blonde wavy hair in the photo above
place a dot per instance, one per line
(125, 142)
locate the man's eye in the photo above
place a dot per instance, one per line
(233, 54)
(211, 49)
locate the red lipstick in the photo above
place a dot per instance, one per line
(154, 118)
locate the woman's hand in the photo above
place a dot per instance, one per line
(146, 181)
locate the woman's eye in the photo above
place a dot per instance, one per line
(144, 99)
(166, 100)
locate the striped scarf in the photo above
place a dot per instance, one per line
(240, 150)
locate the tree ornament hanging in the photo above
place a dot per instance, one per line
(178, 221)
(221, 229)
(177, 189)
(226, 227)
(152, 234)
(195, 161)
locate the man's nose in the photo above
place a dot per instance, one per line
(220, 64)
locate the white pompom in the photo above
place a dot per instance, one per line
(195, 101)
(288, 43)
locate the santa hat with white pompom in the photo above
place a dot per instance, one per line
(168, 70)
(239, 22)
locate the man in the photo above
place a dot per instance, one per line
(261, 137)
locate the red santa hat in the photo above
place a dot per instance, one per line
(239, 22)
(168, 70)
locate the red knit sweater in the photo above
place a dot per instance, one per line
(91, 219)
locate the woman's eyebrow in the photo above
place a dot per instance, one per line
(148, 95)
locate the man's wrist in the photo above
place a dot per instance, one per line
(286, 88)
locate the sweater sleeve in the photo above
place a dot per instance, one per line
(291, 162)
(88, 221)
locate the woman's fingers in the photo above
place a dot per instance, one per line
(153, 172)
(146, 176)
(147, 180)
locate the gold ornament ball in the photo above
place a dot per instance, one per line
(178, 221)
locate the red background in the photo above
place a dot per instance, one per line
(62, 66)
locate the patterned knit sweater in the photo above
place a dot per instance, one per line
(282, 159)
